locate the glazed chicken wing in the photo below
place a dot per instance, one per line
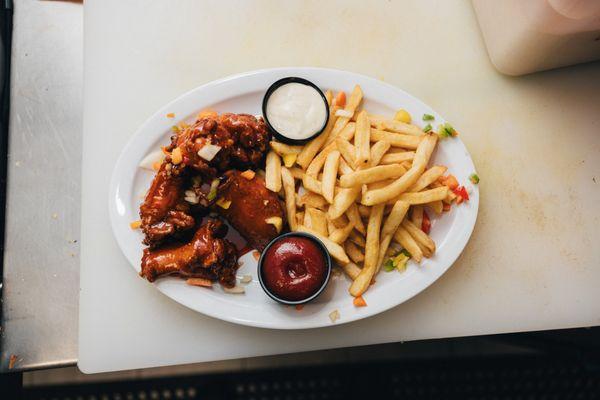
(164, 212)
(207, 256)
(251, 205)
(242, 141)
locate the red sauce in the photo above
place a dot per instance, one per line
(294, 268)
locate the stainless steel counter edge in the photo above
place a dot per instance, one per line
(41, 260)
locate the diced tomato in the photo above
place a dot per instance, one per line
(446, 207)
(450, 181)
(461, 192)
(426, 224)
(299, 307)
(359, 302)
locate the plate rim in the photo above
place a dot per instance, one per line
(374, 309)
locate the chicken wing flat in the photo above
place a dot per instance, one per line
(241, 140)
(251, 205)
(164, 211)
(207, 256)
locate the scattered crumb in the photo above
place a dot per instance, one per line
(17, 163)
(54, 215)
(334, 316)
(171, 115)
(256, 255)
(299, 307)
(246, 279)
(594, 179)
(72, 254)
(265, 202)
(11, 361)
(54, 275)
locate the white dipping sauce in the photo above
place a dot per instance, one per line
(297, 111)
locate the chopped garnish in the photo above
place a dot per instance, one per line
(340, 99)
(171, 115)
(299, 307)
(334, 316)
(401, 259)
(199, 282)
(427, 128)
(359, 302)
(446, 130)
(403, 116)
(461, 194)
(474, 178)
(176, 156)
(344, 113)
(248, 174)
(234, 290)
(450, 181)
(223, 203)
(246, 279)
(175, 129)
(156, 165)
(389, 266)
(191, 197)
(212, 194)
(256, 255)
(151, 160)
(135, 224)
(289, 160)
(426, 224)
(209, 151)
(428, 117)
(206, 113)
(265, 202)
(277, 222)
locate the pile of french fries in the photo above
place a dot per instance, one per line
(361, 186)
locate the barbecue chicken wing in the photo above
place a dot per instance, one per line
(207, 256)
(251, 204)
(242, 142)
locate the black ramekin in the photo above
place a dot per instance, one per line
(327, 265)
(271, 89)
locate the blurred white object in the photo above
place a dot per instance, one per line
(534, 35)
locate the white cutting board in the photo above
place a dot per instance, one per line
(532, 261)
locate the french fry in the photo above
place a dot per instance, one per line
(336, 251)
(397, 158)
(347, 150)
(380, 184)
(400, 127)
(300, 217)
(357, 239)
(290, 197)
(399, 186)
(348, 132)
(311, 184)
(328, 96)
(351, 269)
(426, 244)
(424, 197)
(396, 139)
(428, 177)
(344, 168)
(281, 149)
(370, 175)
(354, 217)
(362, 282)
(307, 222)
(378, 150)
(342, 200)
(330, 170)
(297, 173)
(318, 221)
(354, 252)
(351, 105)
(405, 239)
(390, 226)
(436, 206)
(339, 222)
(312, 148)
(362, 140)
(364, 211)
(317, 163)
(273, 172)
(341, 234)
(311, 199)
(416, 215)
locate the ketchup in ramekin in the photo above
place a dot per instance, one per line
(294, 268)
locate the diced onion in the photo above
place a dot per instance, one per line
(277, 222)
(246, 279)
(344, 113)
(234, 290)
(209, 151)
(150, 159)
(334, 316)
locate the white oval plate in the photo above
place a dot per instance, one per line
(243, 94)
